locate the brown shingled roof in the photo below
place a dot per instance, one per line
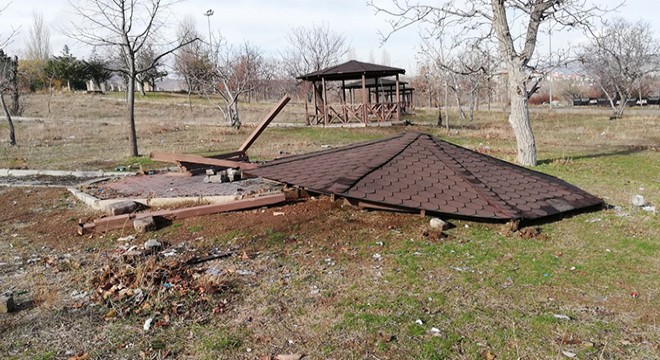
(415, 171)
(352, 70)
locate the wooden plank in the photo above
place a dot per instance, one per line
(231, 206)
(264, 123)
(196, 159)
(126, 220)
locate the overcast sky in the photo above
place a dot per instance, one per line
(265, 23)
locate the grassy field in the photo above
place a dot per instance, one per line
(331, 281)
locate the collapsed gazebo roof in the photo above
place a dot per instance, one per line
(418, 172)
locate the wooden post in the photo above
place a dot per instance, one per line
(364, 99)
(343, 95)
(316, 106)
(325, 102)
(306, 105)
(264, 123)
(398, 99)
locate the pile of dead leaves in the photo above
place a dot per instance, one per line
(169, 287)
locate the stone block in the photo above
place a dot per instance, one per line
(439, 224)
(123, 207)
(7, 304)
(145, 224)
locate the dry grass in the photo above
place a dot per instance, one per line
(317, 287)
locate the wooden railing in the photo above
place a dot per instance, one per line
(354, 113)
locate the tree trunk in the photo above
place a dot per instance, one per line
(140, 86)
(446, 105)
(236, 120)
(458, 104)
(12, 135)
(50, 93)
(130, 116)
(15, 94)
(519, 119)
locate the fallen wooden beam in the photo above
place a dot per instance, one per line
(126, 220)
(264, 123)
(196, 159)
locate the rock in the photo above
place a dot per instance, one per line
(217, 179)
(126, 238)
(7, 304)
(123, 207)
(131, 255)
(233, 175)
(638, 200)
(147, 324)
(144, 224)
(439, 224)
(152, 245)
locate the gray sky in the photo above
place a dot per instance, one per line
(266, 23)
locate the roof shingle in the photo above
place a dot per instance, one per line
(418, 171)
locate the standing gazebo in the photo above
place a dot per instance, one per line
(360, 109)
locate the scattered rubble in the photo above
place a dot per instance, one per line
(148, 283)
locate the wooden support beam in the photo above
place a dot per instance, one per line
(325, 103)
(264, 123)
(364, 100)
(306, 103)
(316, 105)
(398, 99)
(126, 221)
(196, 159)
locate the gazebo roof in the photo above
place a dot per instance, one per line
(416, 171)
(352, 70)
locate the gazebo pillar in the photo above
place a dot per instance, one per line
(306, 105)
(364, 99)
(325, 103)
(343, 97)
(316, 106)
(398, 100)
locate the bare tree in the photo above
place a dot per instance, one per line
(7, 38)
(313, 49)
(127, 26)
(8, 82)
(236, 71)
(38, 42)
(619, 57)
(192, 61)
(498, 20)
(147, 59)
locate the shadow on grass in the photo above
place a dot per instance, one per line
(628, 150)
